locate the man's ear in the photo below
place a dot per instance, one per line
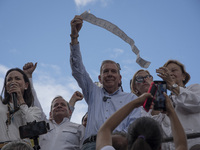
(120, 81)
(99, 77)
(50, 116)
(70, 112)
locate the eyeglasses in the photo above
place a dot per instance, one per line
(140, 79)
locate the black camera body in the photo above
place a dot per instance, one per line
(33, 129)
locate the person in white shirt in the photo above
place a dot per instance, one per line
(185, 99)
(63, 134)
(16, 105)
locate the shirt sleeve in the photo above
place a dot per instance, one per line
(36, 100)
(79, 72)
(82, 132)
(188, 98)
(30, 114)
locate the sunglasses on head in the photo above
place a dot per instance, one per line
(140, 79)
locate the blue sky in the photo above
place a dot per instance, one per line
(38, 31)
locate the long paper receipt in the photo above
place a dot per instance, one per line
(117, 31)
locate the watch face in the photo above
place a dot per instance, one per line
(174, 85)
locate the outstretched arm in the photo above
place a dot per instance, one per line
(178, 132)
(28, 69)
(104, 136)
(76, 25)
(77, 96)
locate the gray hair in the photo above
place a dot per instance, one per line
(112, 62)
(17, 145)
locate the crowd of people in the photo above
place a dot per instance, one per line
(115, 120)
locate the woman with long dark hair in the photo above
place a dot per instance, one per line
(16, 105)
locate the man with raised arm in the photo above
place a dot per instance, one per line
(102, 101)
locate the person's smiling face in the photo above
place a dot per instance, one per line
(176, 73)
(110, 77)
(60, 108)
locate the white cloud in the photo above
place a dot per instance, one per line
(55, 68)
(117, 52)
(3, 69)
(104, 3)
(82, 3)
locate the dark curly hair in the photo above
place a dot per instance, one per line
(28, 96)
(144, 134)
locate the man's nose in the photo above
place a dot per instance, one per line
(59, 105)
(109, 73)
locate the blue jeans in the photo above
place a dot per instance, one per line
(89, 146)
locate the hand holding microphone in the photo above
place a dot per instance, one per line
(14, 100)
(15, 93)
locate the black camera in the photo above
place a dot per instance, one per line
(33, 129)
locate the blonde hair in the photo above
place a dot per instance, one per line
(187, 75)
(132, 84)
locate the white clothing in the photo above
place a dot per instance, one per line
(107, 148)
(66, 135)
(187, 107)
(21, 117)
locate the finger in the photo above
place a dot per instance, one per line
(35, 65)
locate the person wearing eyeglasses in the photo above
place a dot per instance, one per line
(140, 82)
(139, 85)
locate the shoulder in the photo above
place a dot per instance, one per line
(129, 96)
(193, 87)
(75, 125)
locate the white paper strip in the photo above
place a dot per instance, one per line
(117, 31)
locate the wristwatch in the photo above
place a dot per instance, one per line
(174, 86)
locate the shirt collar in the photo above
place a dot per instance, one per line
(65, 119)
(106, 93)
